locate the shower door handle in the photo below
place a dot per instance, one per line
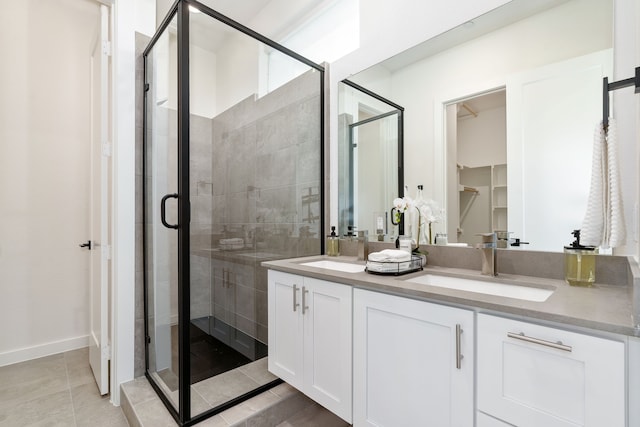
(163, 202)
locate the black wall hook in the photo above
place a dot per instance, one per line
(607, 87)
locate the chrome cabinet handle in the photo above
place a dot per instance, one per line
(295, 304)
(459, 355)
(226, 278)
(557, 345)
(304, 304)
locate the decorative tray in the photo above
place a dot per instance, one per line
(393, 268)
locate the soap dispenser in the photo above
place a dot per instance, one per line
(333, 243)
(579, 263)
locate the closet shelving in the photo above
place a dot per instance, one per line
(499, 208)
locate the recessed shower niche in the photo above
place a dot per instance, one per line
(233, 176)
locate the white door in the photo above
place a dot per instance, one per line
(535, 128)
(99, 240)
(413, 363)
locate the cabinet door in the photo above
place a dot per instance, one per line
(540, 383)
(241, 300)
(285, 327)
(327, 345)
(484, 420)
(405, 361)
(221, 319)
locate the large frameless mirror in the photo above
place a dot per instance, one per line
(501, 110)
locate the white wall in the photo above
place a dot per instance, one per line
(237, 71)
(128, 17)
(44, 186)
(486, 62)
(482, 140)
(203, 81)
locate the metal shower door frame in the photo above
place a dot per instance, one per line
(181, 9)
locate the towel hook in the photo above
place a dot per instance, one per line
(607, 87)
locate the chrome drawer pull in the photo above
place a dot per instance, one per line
(304, 304)
(557, 345)
(459, 355)
(295, 304)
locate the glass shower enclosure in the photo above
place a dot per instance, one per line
(233, 176)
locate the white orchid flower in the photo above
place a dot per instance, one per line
(400, 204)
(430, 211)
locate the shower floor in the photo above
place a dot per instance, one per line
(219, 373)
(210, 356)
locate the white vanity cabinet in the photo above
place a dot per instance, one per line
(532, 375)
(484, 420)
(310, 338)
(413, 362)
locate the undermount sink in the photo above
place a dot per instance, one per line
(345, 267)
(527, 293)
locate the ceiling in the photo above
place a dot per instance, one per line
(507, 14)
(273, 19)
(242, 11)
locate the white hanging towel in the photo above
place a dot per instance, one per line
(603, 223)
(593, 227)
(616, 228)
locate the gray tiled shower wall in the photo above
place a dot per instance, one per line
(254, 174)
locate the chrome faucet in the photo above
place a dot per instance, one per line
(363, 245)
(488, 248)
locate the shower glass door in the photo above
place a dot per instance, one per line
(255, 148)
(160, 215)
(233, 158)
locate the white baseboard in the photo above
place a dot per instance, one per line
(28, 353)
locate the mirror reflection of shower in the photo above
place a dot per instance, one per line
(370, 161)
(476, 166)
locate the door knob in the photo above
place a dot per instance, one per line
(86, 245)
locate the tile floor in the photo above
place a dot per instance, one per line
(281, 406)
(57, 390)
(60, 391)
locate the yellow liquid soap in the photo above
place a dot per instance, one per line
(580, 267)
(333, 246)
(333, 243)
